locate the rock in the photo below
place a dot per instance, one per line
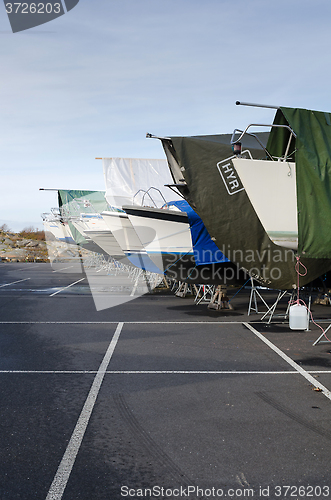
(16, 248)
(32, 244)
(21, 243)
(14, 254)
(9, 242)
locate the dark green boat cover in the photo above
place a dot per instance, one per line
(229, 216)
(313, 175)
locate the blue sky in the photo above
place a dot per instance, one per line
(93, 82)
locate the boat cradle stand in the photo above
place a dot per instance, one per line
(205, 294)
(185, 289)
(220, 300)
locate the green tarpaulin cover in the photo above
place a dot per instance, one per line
(313, 175)
(74, 202)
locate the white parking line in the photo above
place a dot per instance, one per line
(59, 270)
(63, 473)
(22, 269)
(126, 322)
(290, 361)
(13, 282)
(160, 372)
(64, 288)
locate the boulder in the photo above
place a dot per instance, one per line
(21, 243)
(9, 242)
(32, 244)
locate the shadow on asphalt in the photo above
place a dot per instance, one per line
(202, 310)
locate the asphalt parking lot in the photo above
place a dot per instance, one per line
(155, 393)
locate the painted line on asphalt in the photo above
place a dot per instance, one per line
(13, 282)
(59, 270)
(64, 470)
(22, 269)
(290, 361)
(64, 288)
(115, 322)
(58, 322)
(160, 372)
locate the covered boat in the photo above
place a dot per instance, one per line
(81, 210)
(203, 170)
(159, 230)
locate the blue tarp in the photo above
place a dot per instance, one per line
(143, 261)
(205, 250)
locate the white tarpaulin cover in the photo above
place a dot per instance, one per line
(124, 177)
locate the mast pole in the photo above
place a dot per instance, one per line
(240, 103)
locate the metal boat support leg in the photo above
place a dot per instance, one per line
(185, 289)
(254, 295)
(271, 310)
(205, 293)
(321, 336)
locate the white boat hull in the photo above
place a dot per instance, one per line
(165, 234)
(106, 240)
(60, 230)
(271, 188)
(161, 230)
(124, 233)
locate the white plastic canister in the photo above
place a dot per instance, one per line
(298, 317)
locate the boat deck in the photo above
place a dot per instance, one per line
(157, 392)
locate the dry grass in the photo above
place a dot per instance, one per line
(32, 234)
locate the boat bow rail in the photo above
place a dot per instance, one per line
(245, 132)
(147, 193)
